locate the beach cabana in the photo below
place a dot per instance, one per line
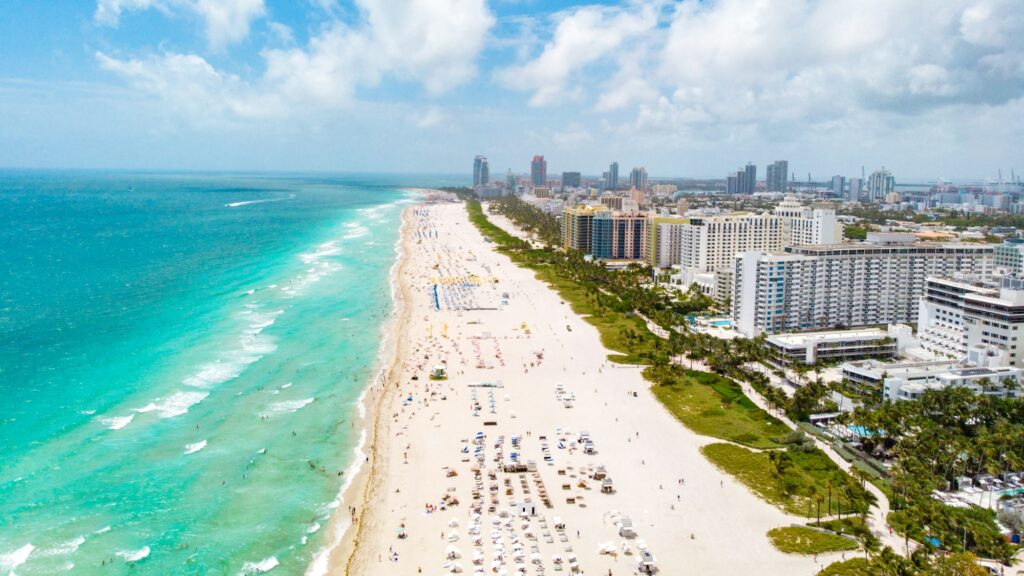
(626, 528)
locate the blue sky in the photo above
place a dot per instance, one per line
(927, 88)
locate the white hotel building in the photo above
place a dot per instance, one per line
(971, 318)
(877, 282)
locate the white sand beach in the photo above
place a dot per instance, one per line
(529, 384)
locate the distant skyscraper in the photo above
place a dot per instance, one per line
(856, 189)
(481, 171)
(611, 181)
(751, 178)
(638, 178)
(880, 183)
(777, 178)
(539, 171)
(742, 181)
(837, 186)
(732, 183)
(511, 182)
(570, 180)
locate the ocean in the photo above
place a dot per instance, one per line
(181, 357)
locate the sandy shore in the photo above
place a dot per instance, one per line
(527, 378)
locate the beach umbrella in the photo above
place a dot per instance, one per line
(453, 523)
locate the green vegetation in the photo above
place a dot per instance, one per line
(854, 232)
(800, 540)
(946, 434)
(714, 406)
(800, 481)
(850, 525)
(888, 563)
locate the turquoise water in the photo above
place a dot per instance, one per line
(180, 358)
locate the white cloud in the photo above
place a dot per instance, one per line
(432, 42)
(225, 21)
(573, 136)
(582, 37)
(228, 21)
(768, 68)
(431, 118)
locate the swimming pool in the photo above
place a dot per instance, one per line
(721, 323)
(859, 430)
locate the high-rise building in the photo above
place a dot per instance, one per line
(974, 319)
(637, 196)
(511, 182)
(732, 183)
(808, 225)
(837, 186)
(777, 178)
(577, 226)
(611, 180)
(570, 180)
(597, 230)
(742, 181)
(844, 285)
(539, 171)
(880, 183)
(856, 189)
(638, 178)
(619, 235)
(481, 171)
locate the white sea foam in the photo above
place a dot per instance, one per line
(87, 412)
(69, 547)
(103, 530)
(214, 373)
(314, 528)
(265, 565)
(195, 447)
(286, 386)
(174, 405)
(286, 407)
(134, 555)
(356, 231)
(321, 251)
(318, 567)
(248, 202)
(12, 560)
(117, 422)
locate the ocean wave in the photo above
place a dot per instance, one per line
(321, 251)
(195, 447)
(214, 373)
(69, 547)
(116, 422)
(265, 565)
(248, 202)
(103, 530)
(133, 555)
(356, 230)
(12, 560)
(87, 412)
(174, 405)
(318, 567)
(286, 407)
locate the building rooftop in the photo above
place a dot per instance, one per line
(804, 338)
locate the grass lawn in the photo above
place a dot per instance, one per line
(852, 567)
(715, 406)
(799, 540)
(807, 477)
(852, 525)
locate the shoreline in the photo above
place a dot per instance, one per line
(510, 344)
(344, 528)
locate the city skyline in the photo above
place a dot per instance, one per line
(349, 87)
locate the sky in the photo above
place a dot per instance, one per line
(928, 88)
